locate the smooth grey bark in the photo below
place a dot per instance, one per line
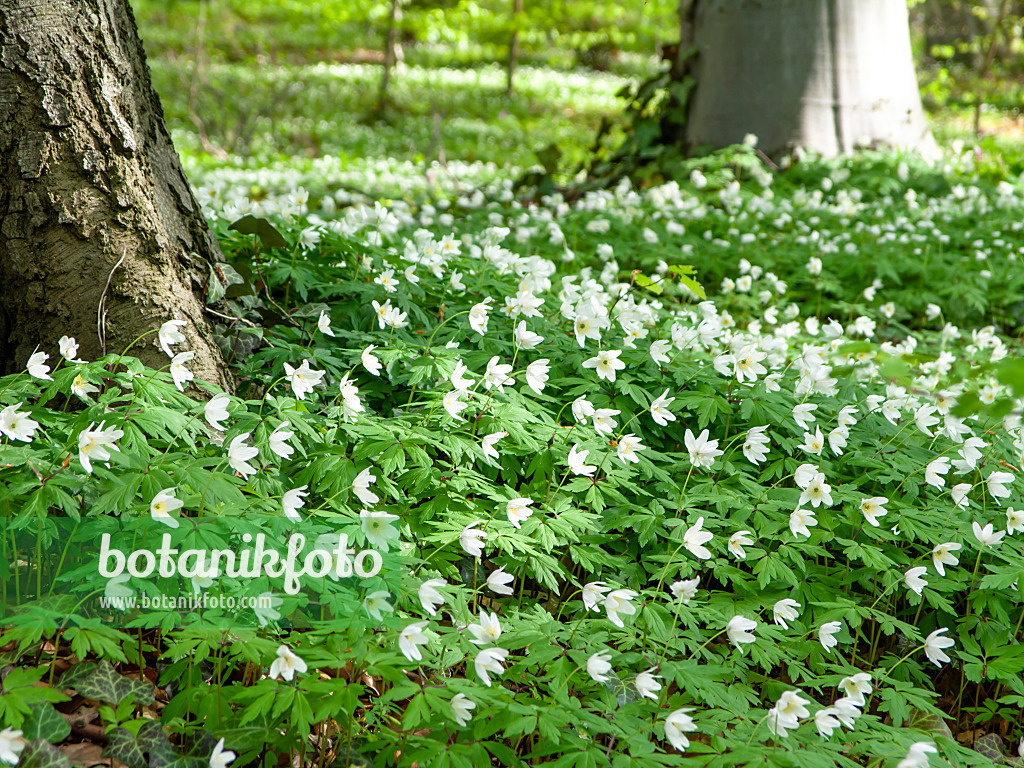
(824, 75)
(92, 192)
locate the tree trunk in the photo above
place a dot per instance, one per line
(947, 23)
(687, 10)
(825, 75)
(93, 202)
(390, 48)
(513, 48)
(986, 64)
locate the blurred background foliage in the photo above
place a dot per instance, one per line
(427, 80)
(461, 33)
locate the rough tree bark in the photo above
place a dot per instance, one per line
(93, 201)
(825, 75)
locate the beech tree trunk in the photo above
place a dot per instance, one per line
(825, 75)
(93, 201)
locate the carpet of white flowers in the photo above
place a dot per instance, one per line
(640, 525)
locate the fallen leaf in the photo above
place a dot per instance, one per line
(84, 715)
(369, 683)
(85, 754)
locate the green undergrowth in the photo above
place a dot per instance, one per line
(721, 472)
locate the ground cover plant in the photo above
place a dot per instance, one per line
(718, 472)
(275, 81)
(327, 110)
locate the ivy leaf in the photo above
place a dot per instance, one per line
(930, 722)
(101, 682)
(44, 722)
(42, 754)
(625, 690)
(152, 749)
(124, 747)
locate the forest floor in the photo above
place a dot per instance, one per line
(270, 93)
(716, 472)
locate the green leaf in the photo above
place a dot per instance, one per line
(263, 229)
(101, 682)
(416, 712)
(645, 282)
(124, 747)
(152, 749)
(20, 694)
(42, 754)
(45, 722)
(1011, 373)
(549, 157)
(105, 642)
(684, 272)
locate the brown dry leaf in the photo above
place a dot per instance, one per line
(968, 737)
(342, 672)
(369, 683)
(85, 754)
(83, 715)
(332, 728)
